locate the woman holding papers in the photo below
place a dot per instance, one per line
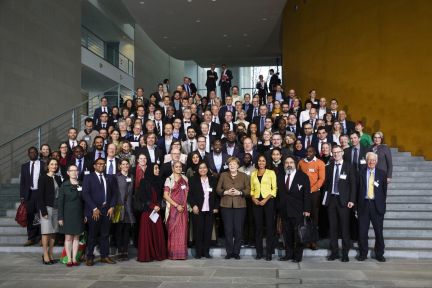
(151, 241)
(202, 198)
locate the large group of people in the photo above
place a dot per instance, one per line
(177, 169)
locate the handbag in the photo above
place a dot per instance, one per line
(307, 231)
(118, 213)
(21, 215)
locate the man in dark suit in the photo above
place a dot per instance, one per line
(248, 148)
(260, 119)
(246, 104)
(164, 143)
(294, 203)
(212, 77)
(214, 128)
(313, 118)
(274, 80)
(111, 161)
(100, 197)
(262, 89)
(309, 139)
(356, 154)
(225, 82)
(72, 139)
(279, 95)
(227, 107)
(150, 150)
(231, 148)
(103, 108)
(29, 177)
(293, 125)
(83, 164)
(339, 198)
(166, 168)
(104, 122)
(322, 137)
(217, 159)
(347, 126)
(254, 110)
(371, 207)
(98, 149)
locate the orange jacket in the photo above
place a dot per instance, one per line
(315, 170)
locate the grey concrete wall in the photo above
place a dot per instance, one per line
(40, 70)
(152, 64)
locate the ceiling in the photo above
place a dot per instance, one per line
(235, 32)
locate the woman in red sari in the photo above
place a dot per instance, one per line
(175, 193)
(151, 241)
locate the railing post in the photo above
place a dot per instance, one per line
(73, 117)
(118, 95)
(39, 136)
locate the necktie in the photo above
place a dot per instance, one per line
(288, 181)
(214, 119)
(136, 138)
(334, 115)
(229, 108)
(355, 158)
(103, 126)
(370, 192)
(336, 181)
(103, 186)
(321, 147)
(111, 167)
(308, 142)
(255, 112)
(32, 173)
(73, 144)
(191, 146)
(99, 154)
(159, 128)
(79, 166)
(262, 124)
(292, 129)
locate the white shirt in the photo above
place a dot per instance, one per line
(293, 172)
(72, 143)
(205, 186)
(207, 143)
(152, 154)
(168, 143)
(278, 96)
(334, 174)
(230, 150)
(304, 116)
(320, 142)
(102, 154)
(108, 163)
(217, 158)
(36, 173)
(321, 112)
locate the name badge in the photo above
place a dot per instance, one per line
(158, 162)
(86, 172)
(277, 115)
(362, 161)
(225, 166)
(79, 188)
(209, 189)
(128, 180)
(259, 142)
(342, 176)
(247, 173)
(183, 187)
(311, 170)
(115, 121)
(214, 133)
(376, 184)
(87, 138)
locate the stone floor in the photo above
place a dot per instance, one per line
(25, 270)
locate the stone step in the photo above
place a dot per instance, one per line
(427, 168)
(12, 238)
(415, 185)
(404, 223)
(7, 221)
(410, 179)
(410, 174)
(17, 230)
(423, 164)
(405, 242)
(408, 207)
(397, 158)
(418, 233)
(409, 199)
(408, 214)
(413, 192)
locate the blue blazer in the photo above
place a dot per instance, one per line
(380, 192)
(94, 195)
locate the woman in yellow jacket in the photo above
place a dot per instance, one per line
(263, 193)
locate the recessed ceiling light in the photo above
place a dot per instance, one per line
(142, 2)
(245, 34)
(189, 1)
(213, 0)
(229, 45)
(264, 19)
(165, 37)
(197, 20)
(225, 35)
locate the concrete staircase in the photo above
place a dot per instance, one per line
(407, 224)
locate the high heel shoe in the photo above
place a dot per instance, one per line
(46, 263)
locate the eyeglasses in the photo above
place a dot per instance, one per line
(337, 152)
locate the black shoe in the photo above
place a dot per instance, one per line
(228, 256)
(208, 256)
(258, 257)
(236, 256)
(332, 257)
(361, 258)
(285, 258)
(345, 258)
(268, 258)
(381, 259)
(47, 262)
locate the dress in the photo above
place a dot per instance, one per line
(70, 209)
(177, 222)
(151, 239)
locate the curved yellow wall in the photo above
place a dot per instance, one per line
(375, 57)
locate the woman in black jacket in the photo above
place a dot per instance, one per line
(48, 187)
(202, 198)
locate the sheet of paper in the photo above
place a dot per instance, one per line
(324, 198)
(154, 216)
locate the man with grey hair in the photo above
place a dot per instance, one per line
(371, 207)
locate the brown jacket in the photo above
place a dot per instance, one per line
(241, 182)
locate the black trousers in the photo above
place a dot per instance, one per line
(225, 90)
(210, 88)
(99, 234)
(122, 231)
(259, 212)
(293, 246)
(33, 232)
(339, 221)
(202, 228)
(316, 203)
(249, 226)
(233, 219)
(368, 215)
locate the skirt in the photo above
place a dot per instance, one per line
(49, 225)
